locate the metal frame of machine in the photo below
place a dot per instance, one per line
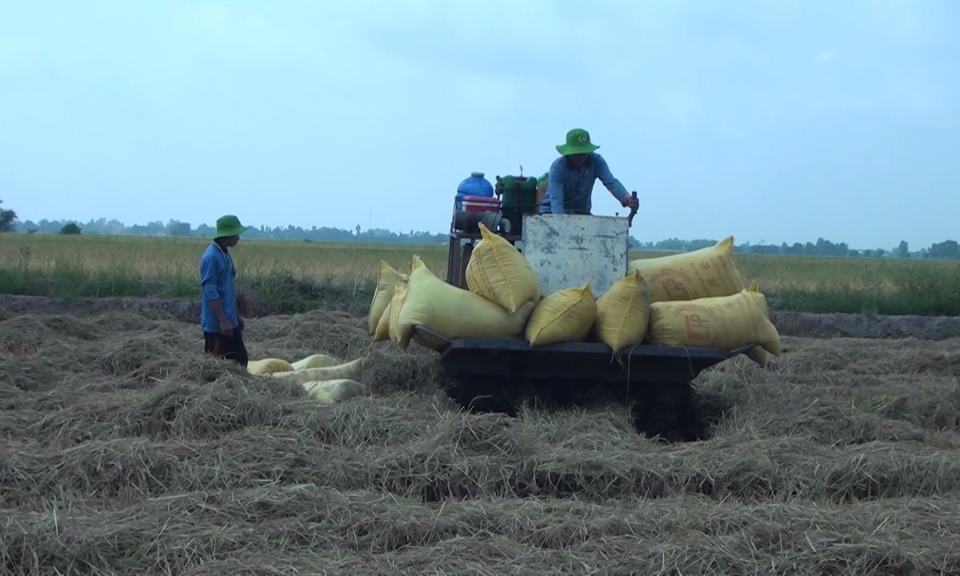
(576, 361)
(460, 248)
(493, 375)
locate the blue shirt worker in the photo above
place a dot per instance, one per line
(541, 189)
(219, 318)
(572, 175)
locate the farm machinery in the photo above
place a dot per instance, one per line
(496, 375)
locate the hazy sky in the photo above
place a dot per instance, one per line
(769, 120)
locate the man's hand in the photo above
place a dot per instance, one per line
(631, 202)
(225, 327)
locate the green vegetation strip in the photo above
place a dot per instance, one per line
(299, 276)
(281, 292)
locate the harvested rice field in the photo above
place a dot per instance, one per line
(125, 450)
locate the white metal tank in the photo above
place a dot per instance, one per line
(565, 251)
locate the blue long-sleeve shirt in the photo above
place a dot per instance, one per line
(570, 190)
(217, 276)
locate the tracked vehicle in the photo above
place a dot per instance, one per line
(497, 375)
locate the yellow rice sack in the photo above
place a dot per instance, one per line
(623, 313)
(315, 361)
(383, 326)
(334, 391)
(565, 316)
(758, 354)
(268, 366)
(422, 299)
(349, 371)
(498, 272)
(703, 273)
(386, 277)
(724, 322)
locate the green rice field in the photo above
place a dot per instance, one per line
(63, 266)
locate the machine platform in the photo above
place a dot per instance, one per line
(496, 375)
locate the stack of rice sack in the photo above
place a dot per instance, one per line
(618, 318)
(503, 300)
(503, 292)
(692, 299)
(323, 377)
(497, 271)
(698, 299)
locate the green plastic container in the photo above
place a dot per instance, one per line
(518, 198)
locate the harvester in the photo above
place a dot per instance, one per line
(496, 375)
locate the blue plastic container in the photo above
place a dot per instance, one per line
(475, 185)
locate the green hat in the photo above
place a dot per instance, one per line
(578, 142)
(229, 226)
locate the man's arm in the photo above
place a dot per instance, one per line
(609, 182)
(208, 284)
(218, 310)
(555, 189)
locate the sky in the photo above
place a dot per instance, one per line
(768, 120)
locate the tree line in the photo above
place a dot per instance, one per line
(947, 250)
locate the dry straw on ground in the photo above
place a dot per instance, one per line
(124, 450)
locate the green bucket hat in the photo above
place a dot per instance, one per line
(578, 142)
(229, 225)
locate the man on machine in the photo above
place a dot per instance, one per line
(570, 181)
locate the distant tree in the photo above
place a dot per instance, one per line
(903, 250)
(70, 229)
(8, 220)
(177, 228)
(947, 250)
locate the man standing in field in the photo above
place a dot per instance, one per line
(570, 181)
(219, 318)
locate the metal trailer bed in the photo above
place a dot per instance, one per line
(496, 375)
